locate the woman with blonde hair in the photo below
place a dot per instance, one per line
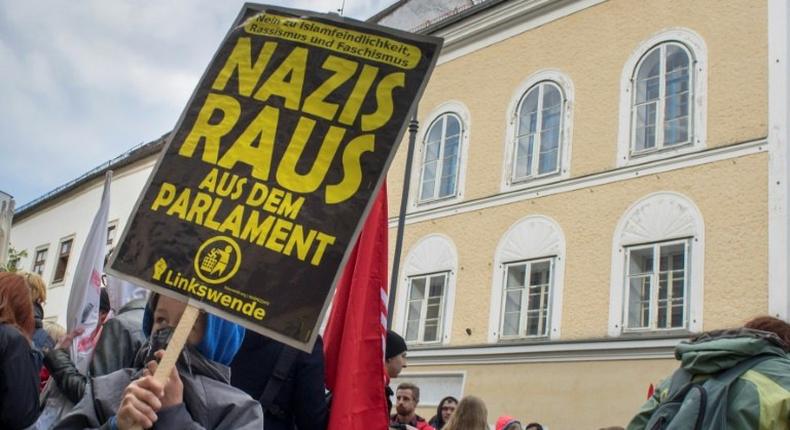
(38, 288)
(38, 295)
(471, 414)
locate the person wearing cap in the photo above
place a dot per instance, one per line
(508, 423)
(395, 355)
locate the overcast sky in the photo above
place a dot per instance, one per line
(83, 81)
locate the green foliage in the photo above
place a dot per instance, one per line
(14, 257)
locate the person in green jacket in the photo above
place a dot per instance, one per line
(760, 397)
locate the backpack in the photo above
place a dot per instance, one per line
(699, 405)
(279, 377)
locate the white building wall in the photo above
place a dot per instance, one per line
(71, 216)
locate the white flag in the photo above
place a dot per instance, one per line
(83, 309)
(122, 292)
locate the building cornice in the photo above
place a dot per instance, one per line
(495, 20)
(668, 164)
(604, 350)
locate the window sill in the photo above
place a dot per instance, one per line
(424, 345)
(525, 340)
(655, 334)
(659, 154)
(436, 203)
(527, 183)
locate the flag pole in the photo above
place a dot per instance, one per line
(404, 201)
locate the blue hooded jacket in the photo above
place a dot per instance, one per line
(221, 339)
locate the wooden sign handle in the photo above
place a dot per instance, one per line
(174, 347)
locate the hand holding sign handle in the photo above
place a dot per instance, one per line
(174, 348)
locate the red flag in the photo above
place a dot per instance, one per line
(354, 335)
(650, 391)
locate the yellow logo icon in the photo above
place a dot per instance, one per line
(217, 260)
(159, 268)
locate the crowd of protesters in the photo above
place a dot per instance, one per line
(227, 378)
(743, 376)
(468, 414)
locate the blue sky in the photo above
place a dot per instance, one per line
(84, 81)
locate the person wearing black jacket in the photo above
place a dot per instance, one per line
(121, 338)
(297, 396)
(19, 365)
(62, 369)
(38, 295)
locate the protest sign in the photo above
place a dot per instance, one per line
(263, 185)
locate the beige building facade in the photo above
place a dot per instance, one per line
(592, 182)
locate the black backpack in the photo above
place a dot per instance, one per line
(278, 377)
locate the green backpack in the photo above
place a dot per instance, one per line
(699, 405)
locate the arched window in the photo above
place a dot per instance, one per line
(427, 290)
(441, 158)
(538, 132)
(657, 261)
(663, 98)
(526, 295)
(663, 93)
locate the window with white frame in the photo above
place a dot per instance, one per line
(526, 299)
(425, 308)
(538, 132)
(661, 111)
(657, 275)
(656, 279)
(663, 98)
(425, 297)
(441, 158)
(62, 262)
(39, 261)
(527, 286)
(112, 230)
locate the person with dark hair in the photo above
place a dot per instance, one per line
(121, 337)
(443, 412)
(408, 397)
(533, 426)
(19, 365)
(122, 334)
(395, 361)
(197, 394)
(749, 366)
(70, 381)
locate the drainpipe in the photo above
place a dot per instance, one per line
(404, 201)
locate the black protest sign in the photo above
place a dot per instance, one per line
(264, 183)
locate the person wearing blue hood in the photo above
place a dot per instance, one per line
(196, 396)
